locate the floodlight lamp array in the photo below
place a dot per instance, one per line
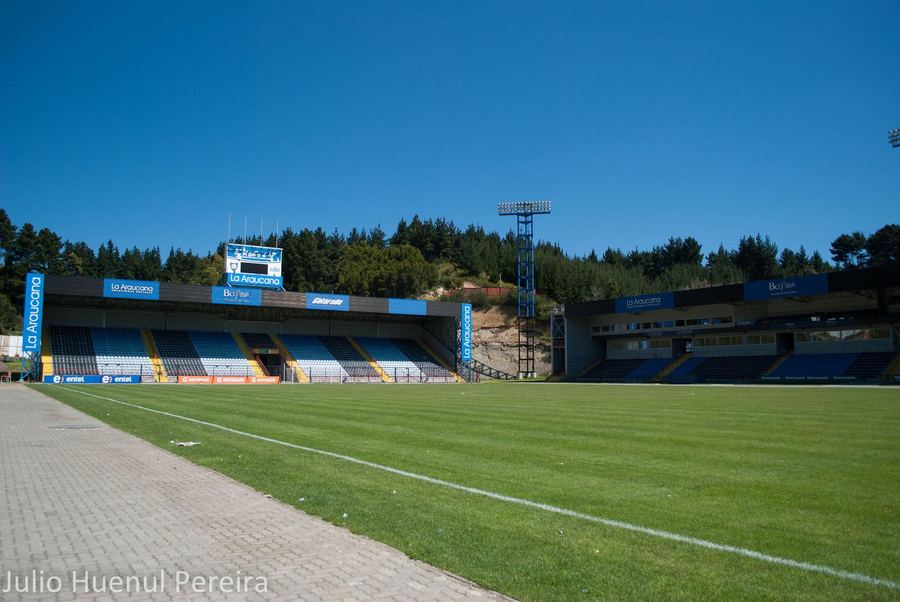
(523, 207)
(894, 137)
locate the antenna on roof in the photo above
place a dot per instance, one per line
(228, 236)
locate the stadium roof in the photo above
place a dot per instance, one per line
(168, 295)
(748, 292)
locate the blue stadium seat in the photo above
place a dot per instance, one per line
(220, 354)
(648, 369)
(121, 351)
(392, 360)
(177, 352)
(73, 351)
(426, 363)
(314, 358)
(354, 364)
(839, 366)
(633, 370)
(803, 366)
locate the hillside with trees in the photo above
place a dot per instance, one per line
(421, 255)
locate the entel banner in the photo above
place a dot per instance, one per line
(227, 295)
(131, 289)
(93, 379)
(799, 286)
(465, 353)
(34, 313)
(645, 302)
(327, 301)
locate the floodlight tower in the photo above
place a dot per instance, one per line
(894, 137)
(525, 314)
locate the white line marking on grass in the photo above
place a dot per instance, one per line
(609, 522)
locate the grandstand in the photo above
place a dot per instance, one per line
(840, 328)
(183, 333)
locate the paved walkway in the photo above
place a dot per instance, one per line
(105, 502)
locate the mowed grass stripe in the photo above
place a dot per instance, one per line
(293, 413)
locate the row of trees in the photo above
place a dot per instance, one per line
(422, 254)
(857, 249)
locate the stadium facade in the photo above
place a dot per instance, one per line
(106, 330)
(841, 327)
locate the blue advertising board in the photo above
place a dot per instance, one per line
(327, 301)
(93, 379)
(466, 333)
(131, 289)
(645, 302)
(228, 295)
(33, 317)
(799, 286)
(260, 280)
(409, 307)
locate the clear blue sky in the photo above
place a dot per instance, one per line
(148, 122)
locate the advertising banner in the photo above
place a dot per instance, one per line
(255, 280)
(131, 289)
(229, 380)
(93, 379)
(409, 307)
(34, 313)
(649, 302)
(327, 301)
(194, 380)
(250, 265)
(466, 333)
(799, 286)
(228, 295)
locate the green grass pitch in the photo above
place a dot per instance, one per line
(809, 474)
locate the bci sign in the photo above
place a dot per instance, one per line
(232, 295)
(799, 286)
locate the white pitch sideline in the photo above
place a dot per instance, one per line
(797, 564)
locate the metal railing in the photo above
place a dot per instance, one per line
(398, 375)
(150, 373)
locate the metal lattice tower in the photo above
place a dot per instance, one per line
(525, 289)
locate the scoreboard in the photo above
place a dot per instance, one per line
(250, 265)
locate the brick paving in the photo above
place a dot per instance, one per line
(102, 501)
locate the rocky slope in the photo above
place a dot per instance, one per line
(495, 341)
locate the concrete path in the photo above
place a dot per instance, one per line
(100, 501)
